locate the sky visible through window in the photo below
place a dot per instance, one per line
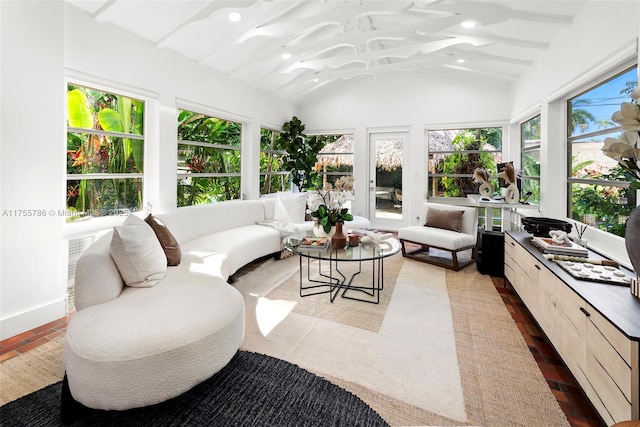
(601, 102)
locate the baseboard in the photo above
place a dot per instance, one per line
(31, 319)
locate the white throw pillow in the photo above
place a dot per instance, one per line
(290, 207)
(138, 253)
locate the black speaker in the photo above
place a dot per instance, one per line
(490, 253)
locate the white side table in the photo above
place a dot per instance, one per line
(506, 210)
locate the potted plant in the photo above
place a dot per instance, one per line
(302, 152)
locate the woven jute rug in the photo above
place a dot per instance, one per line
(31, 371)
(439, 349)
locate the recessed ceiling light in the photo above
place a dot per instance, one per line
(460, 61)
(286, 55)
(235, 16)
(468, 24)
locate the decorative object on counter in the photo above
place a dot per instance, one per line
(548, 246)
(603, 274)
(558, 257)
(540, 226)
(481, 176)
(635, 287)
(339, 239)
(579, 239)
(560, 237)
(632, 239)
(512, 194)
(626, 151)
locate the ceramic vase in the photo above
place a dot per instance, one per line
(319, 231)
(339, 239)
(632, 239)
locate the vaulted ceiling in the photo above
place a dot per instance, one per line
(300, 50)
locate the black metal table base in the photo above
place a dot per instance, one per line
(335, 282)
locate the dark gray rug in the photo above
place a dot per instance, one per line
(252, 390)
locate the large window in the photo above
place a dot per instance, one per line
(530, 157)
(597, 187)
(272, 176)
(105, 152)
(208, 159)
(455, 153)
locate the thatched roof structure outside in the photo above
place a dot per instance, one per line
(340, 152)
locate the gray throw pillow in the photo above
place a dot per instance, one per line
(446, 219)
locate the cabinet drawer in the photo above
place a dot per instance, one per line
(607, 369)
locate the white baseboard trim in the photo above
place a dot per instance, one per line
(31, 319)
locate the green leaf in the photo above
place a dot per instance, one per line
(78, 113)
(109, 120)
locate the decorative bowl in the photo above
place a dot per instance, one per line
(540, 227)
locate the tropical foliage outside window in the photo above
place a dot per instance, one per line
(272, 176)
(105, 152)
(455, 153)
(530, 161)
(208, 159)
(597, 186)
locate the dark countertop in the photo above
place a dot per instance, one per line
(614, 302)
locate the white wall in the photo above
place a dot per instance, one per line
(603, 34)
(42, 44)
(32, 284)
(404, 101)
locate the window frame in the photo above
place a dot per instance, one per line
(502, 125)
(589, 86)
(76, 79)
(209, 113)
(524, 149)
(284, 174)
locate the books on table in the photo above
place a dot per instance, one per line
(547, 245)
(314, 244)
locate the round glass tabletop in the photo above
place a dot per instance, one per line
(362, 252)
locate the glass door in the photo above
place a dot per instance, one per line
(385, 176)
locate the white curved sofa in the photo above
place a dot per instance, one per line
(132, 346)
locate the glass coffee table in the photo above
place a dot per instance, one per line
(326, 270)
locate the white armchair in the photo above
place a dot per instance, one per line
(447, 228)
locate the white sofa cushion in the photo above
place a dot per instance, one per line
(138, 253)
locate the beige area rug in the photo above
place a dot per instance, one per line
(440, 349)
(31, 371)
(344, 310)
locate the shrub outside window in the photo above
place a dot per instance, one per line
(530, 160)
(209, 155)
(105, 152)
(598, 191)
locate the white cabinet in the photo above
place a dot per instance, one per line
(603, 360)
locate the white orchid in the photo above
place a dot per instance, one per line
(628, 116)
(623, 148)
(625, 151)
